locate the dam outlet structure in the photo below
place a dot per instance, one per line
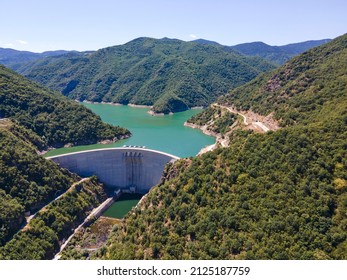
(130, 169)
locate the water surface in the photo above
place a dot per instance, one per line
(122, 206)
(164, 133)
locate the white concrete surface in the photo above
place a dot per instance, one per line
(133, 168)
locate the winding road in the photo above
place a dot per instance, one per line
(256, 123)
(250, 120)
(29, 218)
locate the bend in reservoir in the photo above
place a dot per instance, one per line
(165, 133)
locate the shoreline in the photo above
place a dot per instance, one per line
(204, 130)
(116, 104)
(139, 106)
(102, 102)
(151, 112)
(197, 108)
(70, 145)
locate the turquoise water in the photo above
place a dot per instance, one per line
(122, 206)
(164, 133)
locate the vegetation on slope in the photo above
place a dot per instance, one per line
(55, 118)
(32, 117)
(267, 197)
(45, 233)
(87, 240)
(170, 74)
(279, 195)
(302, 89)
(27, 180)
(217, 120)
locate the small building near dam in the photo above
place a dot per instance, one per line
(131, 169)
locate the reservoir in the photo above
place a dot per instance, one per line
(164, 133)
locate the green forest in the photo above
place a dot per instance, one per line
(170, 74)
(32, 119)
(42, 238)
(275, 195)
(27, 180)
(303, 91)
(278, 195)
(55, 118)
(218, 120)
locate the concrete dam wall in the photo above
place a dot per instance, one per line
(130, 169)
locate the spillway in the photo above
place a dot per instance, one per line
(129, 168)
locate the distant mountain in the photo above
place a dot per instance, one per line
(298, 48)
(170, 74)
(277, 54)
(11, 57)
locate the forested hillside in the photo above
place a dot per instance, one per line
(278, 195)
(31, 119)
(43, 236)
(170, 74)
(309, 88)
(27, 180)
(216, 119)
(55, 118)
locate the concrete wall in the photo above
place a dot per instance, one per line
(136, 169)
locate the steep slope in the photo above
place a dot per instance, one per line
(170, 74)
(300, 90)
(277, 54)
(278, 195)
(53, 117)
(27, 180)
(44, 234)
(29, 184)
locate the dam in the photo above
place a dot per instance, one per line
(131, 169)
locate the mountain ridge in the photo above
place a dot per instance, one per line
(169, 74)
(13, 58)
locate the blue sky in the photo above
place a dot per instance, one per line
(37, 25)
